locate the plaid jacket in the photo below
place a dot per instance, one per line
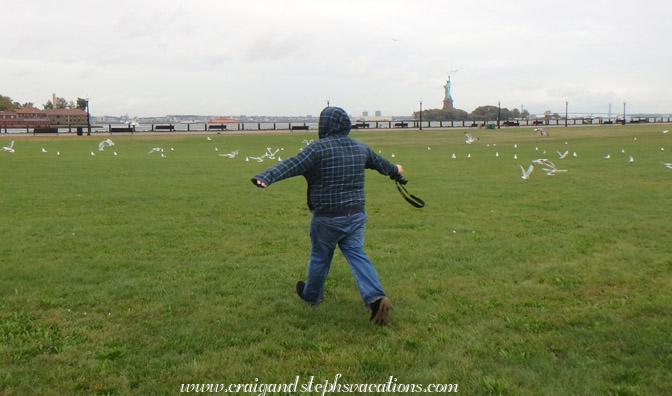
(333, 166)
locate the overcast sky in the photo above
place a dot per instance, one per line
(274, 57)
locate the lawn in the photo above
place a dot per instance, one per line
(134, 274)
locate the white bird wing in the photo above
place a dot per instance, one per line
(526, 173)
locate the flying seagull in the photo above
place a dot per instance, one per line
(668, 165)
(9, 148)
(105, 143)
(271, 154)
(541, 131)
(155, 149)
(562, 155)
(550, 168)
(526, 173)
(230, 155)
(470, 139)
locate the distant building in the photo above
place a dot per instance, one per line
(30, 117)
(365, 113)
(379, 113)
(67, 117)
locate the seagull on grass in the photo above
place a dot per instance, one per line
(44, 150)
(666, 131)
(105, 143)
(608, 156)
(526, 173)
(10, 147)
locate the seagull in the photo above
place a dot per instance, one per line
(163, 155)
(208, 138)
(608, 156)
(307, 142)
(469, 155)
(429, 148)
(392, 155)
(574, 154)
(635, 138)
(44, 150)
(115, 153)
(666, 131)
(541, 131)
(105, 143)
(562, 155)
(526, 173)
(662, 149)
(93, 154)
(550, 167)
(230, 155)
(515, 145)
(216, 149)
(58, 153)
(259, 159)
(497, 154)
(668, 165)
(631, 159)
(453, 156)
(271, 154)
(9, 148)
(515, 156)
(470, 139)
(155, 149)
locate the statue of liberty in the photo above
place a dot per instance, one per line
(447, 88)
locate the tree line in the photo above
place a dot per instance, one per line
(481, 113)
(6, 103)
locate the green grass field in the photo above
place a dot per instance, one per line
(134, 274)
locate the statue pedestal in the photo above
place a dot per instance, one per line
(447, 104)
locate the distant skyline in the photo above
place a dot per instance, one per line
(262, 57)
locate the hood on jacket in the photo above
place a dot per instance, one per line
(333, 121)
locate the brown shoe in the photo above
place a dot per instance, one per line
(379, 310)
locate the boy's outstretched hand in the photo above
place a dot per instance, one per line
(259, 183)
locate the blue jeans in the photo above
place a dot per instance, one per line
(348, 233)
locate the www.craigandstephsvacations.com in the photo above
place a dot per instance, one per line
(321, 387)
